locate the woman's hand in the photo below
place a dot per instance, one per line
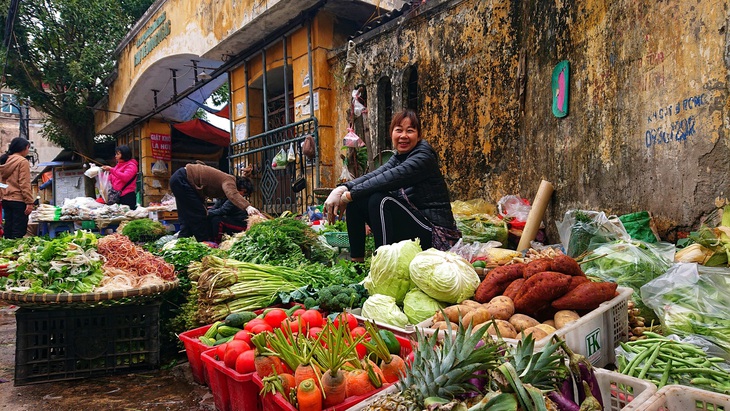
(334, 203)
(28, 209)
(106, 168)
(251, 210)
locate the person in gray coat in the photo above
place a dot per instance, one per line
(402, 199)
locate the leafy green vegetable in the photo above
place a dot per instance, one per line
(338, 298)
(418, 306)
(383, 308)
(389, 272)
(144, 230)
(444, 276)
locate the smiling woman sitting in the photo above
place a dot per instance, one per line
(404, 198)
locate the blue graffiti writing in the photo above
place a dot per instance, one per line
(678, 131)
(686, 104)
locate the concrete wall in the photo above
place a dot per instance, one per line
(648, 105)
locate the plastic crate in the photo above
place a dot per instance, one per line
(337, 239)
(279, 403)
(193, 349)
(683, 398)
(71, 343)
(232, 391)
(618, 392)
(595, 335)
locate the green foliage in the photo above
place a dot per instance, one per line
(59, 55)
(144, 230)
(282, 241)
(337, 298)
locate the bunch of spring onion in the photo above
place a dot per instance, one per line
(226, 286)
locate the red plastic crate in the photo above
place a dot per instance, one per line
(279, 403)
(232, 391)
(194, 348)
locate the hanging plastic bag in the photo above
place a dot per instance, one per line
(352, 140)
(159, 168)
(345, 175)
(582, 231)
(279, 162)
(290, 156)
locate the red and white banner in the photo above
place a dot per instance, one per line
(161, 146)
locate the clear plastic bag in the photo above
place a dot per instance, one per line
(691, 299)
(159, 168)
(582, 231)
(279, 162)
(290, 156)
(473, 206)
(345, 175)
(352, 140)
(514, 208)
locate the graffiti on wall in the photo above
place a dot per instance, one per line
(680, 126)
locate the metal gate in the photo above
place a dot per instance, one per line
(273, 191)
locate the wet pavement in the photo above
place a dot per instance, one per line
(160, 390)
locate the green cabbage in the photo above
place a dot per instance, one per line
(418, 306)
(382, 308)
(444, 276)
(389, 273)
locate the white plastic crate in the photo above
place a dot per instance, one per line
(683, 398)
(595, 335)
(618, 392)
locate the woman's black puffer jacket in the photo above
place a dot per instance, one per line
(418, 173)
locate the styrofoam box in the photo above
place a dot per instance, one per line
(619, 392)
(595, 335)
(683, 398)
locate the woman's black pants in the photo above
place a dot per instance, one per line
(191, 211)
(390, 222)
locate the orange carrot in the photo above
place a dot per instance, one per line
(309, 397)
(334, 387)
(378, 373)
(287, 383)
(393, 370)
(304, 372)
(265, 365)
(358, 383)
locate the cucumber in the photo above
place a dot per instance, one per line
(213, 330)
(227, 331)
(239, 319)
(207, 341)
(222, 340)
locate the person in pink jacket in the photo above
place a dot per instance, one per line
(123, 176)
(17, 196)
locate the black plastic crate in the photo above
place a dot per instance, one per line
(64, 344)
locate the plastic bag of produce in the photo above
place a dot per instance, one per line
(482, 228)
(582, 231)
(691, 299)
(444, 276)
(382, 308)
(630, 264)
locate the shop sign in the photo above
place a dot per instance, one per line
(151, 38)
(161, 146)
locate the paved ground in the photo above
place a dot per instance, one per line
(168, 390)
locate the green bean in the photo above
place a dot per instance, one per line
(636, 360)
(654, 354)
(700, 370)
(665, 375)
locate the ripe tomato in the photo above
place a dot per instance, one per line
(358, 331)
(275, 317)
(312, 318)
(220, 351)
(261, 327)
(233, 350)
(314, 332)
(348, 318)
(243, 335)
(298, 313)
(245, 362)
(293, 325)
(361, 350)
(256, 321)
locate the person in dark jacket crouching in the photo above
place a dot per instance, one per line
(402, 199)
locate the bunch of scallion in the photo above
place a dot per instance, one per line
(226, 286)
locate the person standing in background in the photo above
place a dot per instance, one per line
(123, 175)
(17, 196)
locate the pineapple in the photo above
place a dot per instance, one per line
(440, 372)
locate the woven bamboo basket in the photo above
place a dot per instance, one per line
(88, 300)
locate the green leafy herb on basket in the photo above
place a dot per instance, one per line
(144, 230)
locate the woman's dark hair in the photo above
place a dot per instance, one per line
(17, 145)
(244, 183)
(405, 114)
(125, 151)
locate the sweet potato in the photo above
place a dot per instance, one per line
(576, 281)
(586, 296)
(497, 280)
(566, 265)
(540, 290)
(513, 288)
(537, 266)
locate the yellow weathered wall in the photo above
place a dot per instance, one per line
(648, 103)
